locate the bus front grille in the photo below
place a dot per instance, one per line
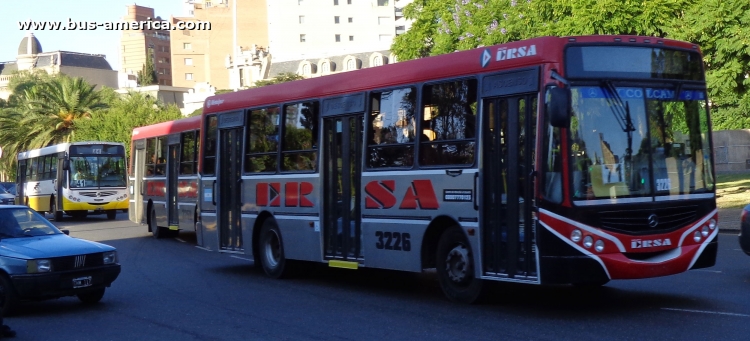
(648, 221)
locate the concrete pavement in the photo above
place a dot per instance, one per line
(729, 219)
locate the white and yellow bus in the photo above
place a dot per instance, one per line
(74, 179)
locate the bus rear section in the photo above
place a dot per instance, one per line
(163, 178)
(530, 162)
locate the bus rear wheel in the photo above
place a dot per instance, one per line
(271, 249)
(455, 267)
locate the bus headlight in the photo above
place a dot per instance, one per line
(697, 236)
(38, 265)
(704, 231)
(588, 241)
(575, 236)
(599, 245)
(712, 224)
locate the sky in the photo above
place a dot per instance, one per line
(98, 41)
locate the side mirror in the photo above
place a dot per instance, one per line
(66, 164)
(558, 106)
(67, 232)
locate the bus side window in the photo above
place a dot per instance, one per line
(150, 156)
(448, 123)
(391, 133)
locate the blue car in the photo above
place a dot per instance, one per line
(38, 261)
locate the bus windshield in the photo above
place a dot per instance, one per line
(639, 142)
(97, 171)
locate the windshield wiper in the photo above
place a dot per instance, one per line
(621, 111)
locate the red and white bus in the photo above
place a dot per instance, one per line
(164, 176)
(547, 161)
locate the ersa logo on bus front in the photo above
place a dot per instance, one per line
(505, 53)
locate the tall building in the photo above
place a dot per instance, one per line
(93, 68)
(201, 56)
(311, 29)
(136, 45)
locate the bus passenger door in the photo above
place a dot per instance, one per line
(173, 162)
(507, 183)
(135, 211)
(21, 182)
(342, 169)
(229, 183)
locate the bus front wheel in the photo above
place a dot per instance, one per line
(111, 214)
(455, 267)
(58, 215)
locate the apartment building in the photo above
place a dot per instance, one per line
(136, 45)
(202, 56)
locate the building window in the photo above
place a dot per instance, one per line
(187, 46)
(382, 2)
(392, 125)
(385, 37)
(302, 38)
(299, 2)
(336, 20)
(338, 38)
(188, 61)
(301, 19)
(325, 68)
(188, 76)
(335, 2)
(351, 38)
(306, 69)
(351, 20)
(348, 2)
(383, 20)
(377, 61)
(351, 64)
(208, 4)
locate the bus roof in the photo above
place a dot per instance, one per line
(476, 61)
(61, 147)
(166, 128)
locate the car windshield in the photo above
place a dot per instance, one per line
(639, 142)
(23, 222)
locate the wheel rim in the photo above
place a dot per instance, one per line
(457, 264)
(272, 249)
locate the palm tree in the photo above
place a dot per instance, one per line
(50, 110)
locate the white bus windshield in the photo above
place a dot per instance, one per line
(97, 171)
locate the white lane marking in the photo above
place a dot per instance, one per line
(706, 312)
(203, 248)
(179, 240)
(247, 259)
(713, 271)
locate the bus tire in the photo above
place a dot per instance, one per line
(156, 231)
(57, 215)
(8, 296)
(271, 250)
(455, 267)
(112, 214)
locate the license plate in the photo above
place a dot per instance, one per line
(82, 282)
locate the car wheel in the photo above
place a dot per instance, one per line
(271, 248)
(455, 267)
(112, 214)
(8, 296)
(92, 296)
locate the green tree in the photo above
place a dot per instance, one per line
(722, 29)
(52, 109)
(280, 78)
(134, 109)
(147, 75)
